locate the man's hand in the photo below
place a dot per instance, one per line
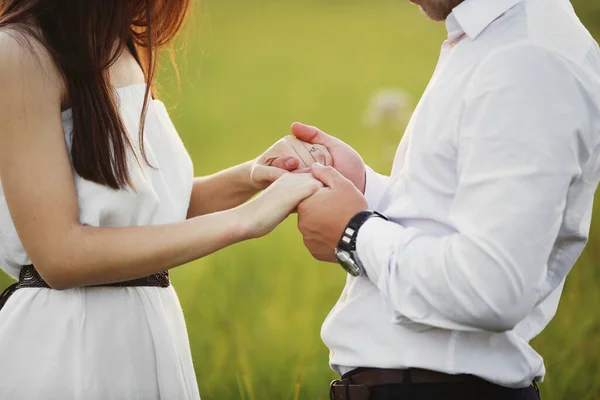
(345, 159)
(323, 217)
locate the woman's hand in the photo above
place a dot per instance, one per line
(262, 214)
(287, 154)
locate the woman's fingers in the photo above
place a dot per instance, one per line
(297, 187)
(290, 153)
(302, 171)
(310, 153)
(266, 171)
(267, 175)
(288, 163)
(318, 153)
(287, 155)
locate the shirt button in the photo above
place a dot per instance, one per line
(331, 353)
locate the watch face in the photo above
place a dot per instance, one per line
(345, 260)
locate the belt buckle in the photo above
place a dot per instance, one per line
(333, 382)
(359, 392)
(535, 385)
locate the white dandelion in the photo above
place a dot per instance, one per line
(388, 107)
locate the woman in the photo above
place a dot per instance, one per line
(98, 200)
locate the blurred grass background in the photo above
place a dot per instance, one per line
(248, 69)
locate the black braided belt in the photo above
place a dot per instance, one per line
(30, 278)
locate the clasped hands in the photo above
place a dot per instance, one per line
(323, 215)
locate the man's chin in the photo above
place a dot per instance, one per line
(433, 15)
(432, 12)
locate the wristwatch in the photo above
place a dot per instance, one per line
(345, 253)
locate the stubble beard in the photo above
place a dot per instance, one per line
(438, 10)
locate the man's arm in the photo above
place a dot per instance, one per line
(522, 141)
(375, 186)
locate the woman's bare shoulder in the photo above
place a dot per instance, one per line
(24, 60)
(18, 45)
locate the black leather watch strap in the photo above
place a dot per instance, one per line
(348, 240)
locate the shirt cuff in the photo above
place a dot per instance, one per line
(375, 185)
(373, 244)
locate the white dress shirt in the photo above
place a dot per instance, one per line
(490, 201)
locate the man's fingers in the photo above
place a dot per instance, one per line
(311, 134)
(328, 175)
(287, 163)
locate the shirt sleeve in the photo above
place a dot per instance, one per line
(522, 139)
(375, 186)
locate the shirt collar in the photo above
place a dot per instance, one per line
(471, 17)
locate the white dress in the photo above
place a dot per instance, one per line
(104, 343)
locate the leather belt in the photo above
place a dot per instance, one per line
(30, 278)
(356, 386)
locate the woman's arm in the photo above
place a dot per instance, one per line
(231, 187)
(40, 192)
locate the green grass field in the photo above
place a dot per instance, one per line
(248, 70)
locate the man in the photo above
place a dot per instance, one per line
(488, 207)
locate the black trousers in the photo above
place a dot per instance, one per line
(450, 391)
(473, 390)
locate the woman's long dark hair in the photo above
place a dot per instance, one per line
(84, 38)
